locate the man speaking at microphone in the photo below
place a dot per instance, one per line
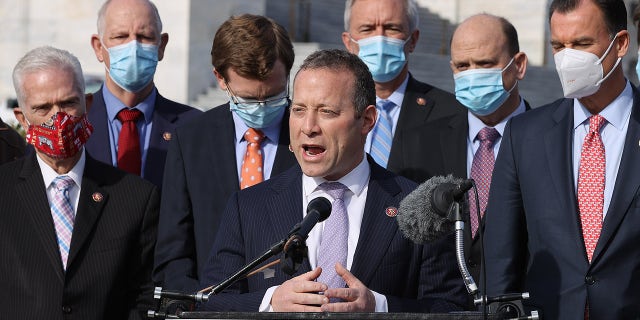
(358, 260)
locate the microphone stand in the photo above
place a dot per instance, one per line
(293, 246)
(509, 305)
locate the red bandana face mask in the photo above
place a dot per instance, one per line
(60, 137)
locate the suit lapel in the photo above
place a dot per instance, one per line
(284, 206)
(98, 145)
(34, 199)
(90, 207)
(627, 181)
(161, 132)
(453, 144)
(377, 230)
(224, 145)
(559, 153)
(284, 158)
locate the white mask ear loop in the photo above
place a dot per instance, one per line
(602, 58)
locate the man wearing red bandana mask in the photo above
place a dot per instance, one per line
(77, 235)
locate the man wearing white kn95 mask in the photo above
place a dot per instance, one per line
(564, 209)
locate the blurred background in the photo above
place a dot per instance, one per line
(185, 74)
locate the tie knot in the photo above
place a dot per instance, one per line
(385, 105)
(253, 135)
(334, 189)
(595, 123)
(63, 183)
(488, 135)
(128, 115)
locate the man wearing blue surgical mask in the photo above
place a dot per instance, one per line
(133, 122)
(487, 65)
(230, 147)
(383, 33)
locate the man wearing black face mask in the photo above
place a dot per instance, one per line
(133, 122)
(228, 148)
(77, 235)
(563, 214)
(487, 65)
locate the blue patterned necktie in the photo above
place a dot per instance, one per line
(382, 133)
(63, 216)
(334, 243)
(481, 172)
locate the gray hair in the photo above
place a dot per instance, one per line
(103, 10)
(46, 58)
(412, 14)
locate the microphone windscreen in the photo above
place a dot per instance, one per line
(418, 219)
(322, 205)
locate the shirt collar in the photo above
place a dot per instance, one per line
(397, 96)
(114, 105)
(616, 113)
(48, 174)
(356, 180)
(272, 132)
(475, 124)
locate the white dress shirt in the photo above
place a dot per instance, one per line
(357, 181)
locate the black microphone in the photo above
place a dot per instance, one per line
(422, 216)
(318, 210)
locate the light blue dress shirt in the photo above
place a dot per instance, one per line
(114, 106)
(613, 134)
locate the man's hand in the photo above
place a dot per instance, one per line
(357, 297)
(300, 294)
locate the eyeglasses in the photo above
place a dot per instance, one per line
(275, 101)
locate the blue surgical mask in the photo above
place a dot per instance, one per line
(133, 64)
(383, 55)
(259, 114)
(481, 90)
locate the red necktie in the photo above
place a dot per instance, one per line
(591, 175)
(251, 171)
(481, 172)
(129, 153)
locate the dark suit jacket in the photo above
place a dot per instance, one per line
(109, 266)
(533, 224)
(12, 145)
(413, 277)
(443, 154)
(422, 103)
(167, 115)
(200, 177)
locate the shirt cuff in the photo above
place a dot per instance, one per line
(265, 305)
(381, 302)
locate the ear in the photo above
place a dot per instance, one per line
(349, 44)
(97, 47)
(221, 83)
(17, 112)
(369, 116)
(622, 43)
(164, 39)
(520, 60)
(415, 35)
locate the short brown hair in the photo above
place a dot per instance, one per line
(251, 45)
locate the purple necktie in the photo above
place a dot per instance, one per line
(481, 170)
(334, 244)
(63, 217)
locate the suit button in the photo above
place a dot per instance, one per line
(66, 309)
(590, 280)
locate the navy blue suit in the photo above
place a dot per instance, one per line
(533, 224)
(200, 177)
(413, 277)
(167, 115)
